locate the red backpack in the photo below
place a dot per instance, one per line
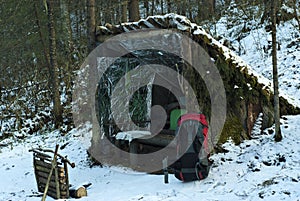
(192, 148)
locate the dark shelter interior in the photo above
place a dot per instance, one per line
(153, 106)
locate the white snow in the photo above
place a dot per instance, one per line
(130, 135)
(255, 169)
(255, 50)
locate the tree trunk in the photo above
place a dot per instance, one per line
(91, 113)
(190, 15)
(152, 7)
(295, 7)
(278, 136)
(133, 10)
(169, 6)
(183, 5)
(38, 24)
(91, 21)
(124, 10)
(213, 7)
(266, 12)
(162, 6)
(206, 9)
(146, 5)
(78, 193)
(69, 47)
(54, 80)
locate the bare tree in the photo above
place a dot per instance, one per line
(295, 7)
(278, 136)
(133, 10)
(69, 46)
(169, 5)
(146, 5)
(162, 7)
(181, 6)
(91, 21)
(124, 5)
(53, 68)
(153, 7)
(208, 9)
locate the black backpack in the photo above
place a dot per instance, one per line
(192, 161)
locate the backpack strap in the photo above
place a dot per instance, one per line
(202, 170)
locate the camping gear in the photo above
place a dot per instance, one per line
(174, 116)
(192, 148)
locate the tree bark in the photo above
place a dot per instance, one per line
(206, 9)
(183, 5)
(278, 136)
(38, 24)
(91, 113)
(169, 5)
(190, 15)
(146, 5)
(124, 10)
(54, 80)
(69, 47)
(266, 12)
(133, 10)
(152, 7)
(295, 6)
(91, 21)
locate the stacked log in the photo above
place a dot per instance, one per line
(58, 186)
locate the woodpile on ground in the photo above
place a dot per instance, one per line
(52, 176)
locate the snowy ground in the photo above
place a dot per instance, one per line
(256, 169)
(255, 49)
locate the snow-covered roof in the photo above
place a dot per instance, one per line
(197, 33)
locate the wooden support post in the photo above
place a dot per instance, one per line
(133, 148)
(165, 169)
(66, 176)
(57, 184)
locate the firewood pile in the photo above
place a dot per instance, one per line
(51, 174)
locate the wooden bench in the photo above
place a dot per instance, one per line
(138, 139)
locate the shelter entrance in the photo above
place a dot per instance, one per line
(154, 106)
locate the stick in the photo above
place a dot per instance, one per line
(50, 174)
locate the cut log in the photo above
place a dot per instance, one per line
(52, 183)
(78, 193)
